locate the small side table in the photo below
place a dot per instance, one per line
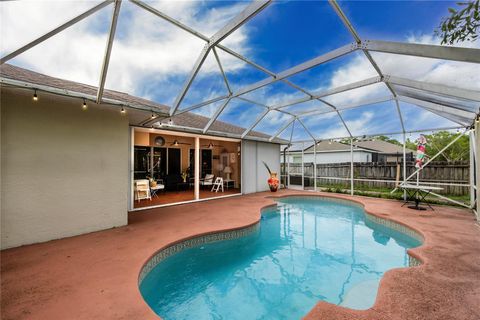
(156, 189)
(227, 183)
(418, 194)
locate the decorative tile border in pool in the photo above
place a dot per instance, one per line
(323, 198)
(162, 254)
(413, 262)
(395, 226)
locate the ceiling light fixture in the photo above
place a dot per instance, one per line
(84, 107)
(153, 116)
(123, 111)
(35, 97)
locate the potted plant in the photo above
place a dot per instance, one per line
(273, 181)
(153, 182)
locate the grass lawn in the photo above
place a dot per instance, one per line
(382, 192)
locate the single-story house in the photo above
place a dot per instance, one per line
(71, 166)
(329, 151)
(383, 151)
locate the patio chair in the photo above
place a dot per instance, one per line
(207, 181)
(217, 184)
(142, 189)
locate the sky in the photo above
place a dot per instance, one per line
(152, 59)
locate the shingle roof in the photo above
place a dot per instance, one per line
(327, 146)
(188, 119)
(381, 146)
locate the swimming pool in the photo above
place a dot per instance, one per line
(306, 249)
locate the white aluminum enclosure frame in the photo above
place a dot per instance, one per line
(213, 44)
(461, 115)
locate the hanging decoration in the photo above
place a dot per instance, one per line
(420, 159)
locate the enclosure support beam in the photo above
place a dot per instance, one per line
(216, 115)
(348, 107)
(108, 50)
(404, 164)
(54, 31)
(459, 116)
(201, 104)
(247, 131)
(279, 132)
(472, 167)
(306, 129)
(284, 167)
(288, 168)
(197, 169)
(400, 117)
(299, 68)
(351, 86)
(356, 36)
(303, 166)
(351, 166)
(386, 133)
(433, 88)
(477, 166)
(225, 80)
(314, 165)
(291, 132)
(169, 19)
(196, 68)
(344, 123)
(250, 11)
(354, 33)
(444, 108)
(423, 50)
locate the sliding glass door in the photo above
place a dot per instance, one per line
(205, 161)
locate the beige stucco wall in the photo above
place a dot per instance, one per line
(64, 170)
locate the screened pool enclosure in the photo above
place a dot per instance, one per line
(323, 91)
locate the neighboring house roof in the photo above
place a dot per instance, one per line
(328, 146)
(378, 146)
(188, 119)
(381, 146)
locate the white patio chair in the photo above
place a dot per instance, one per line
(207, 181)
(217, 184)
(142, 189)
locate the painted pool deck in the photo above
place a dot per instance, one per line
(94, 276)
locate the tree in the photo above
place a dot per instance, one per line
(459, 151)
(387, 139)
(462, 24)
(383, 138)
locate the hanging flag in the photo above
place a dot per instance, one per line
(420, 159)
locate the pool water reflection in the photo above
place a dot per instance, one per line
(306, 250)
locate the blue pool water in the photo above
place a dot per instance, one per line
(306, 250)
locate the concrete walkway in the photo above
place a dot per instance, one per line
(94, 276)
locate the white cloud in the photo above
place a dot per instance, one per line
(459, 74)
(151, 56)
(146, 48)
